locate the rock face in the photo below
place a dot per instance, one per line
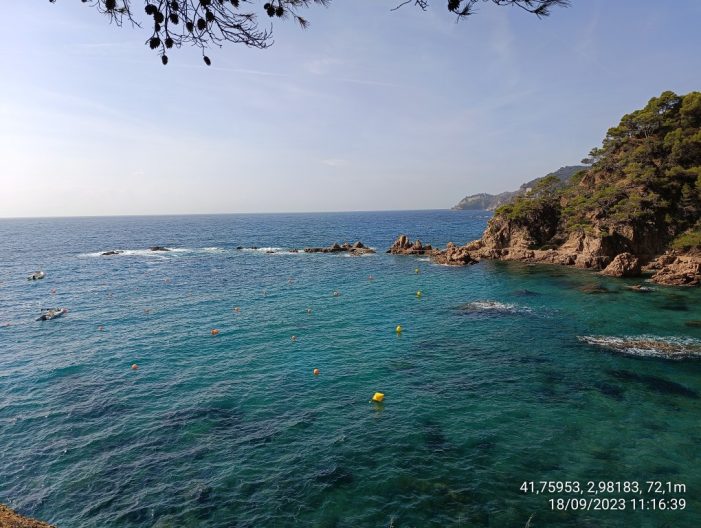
(357, 248)
(623, 265)
(404, 246)
(11, 519)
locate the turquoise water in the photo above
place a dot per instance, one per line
(489, 384)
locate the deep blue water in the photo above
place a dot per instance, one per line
(490, 384)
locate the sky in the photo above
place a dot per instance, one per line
(367, 109)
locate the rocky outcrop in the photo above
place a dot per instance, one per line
(404, 246)
(454, 255)
(159, 248)
(623, 265)
(677, 269)
(112, 252)
(11, 519)
(357, 248)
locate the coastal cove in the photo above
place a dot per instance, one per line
(504, 372)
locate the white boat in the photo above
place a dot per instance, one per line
(36, 275)
(51, 313)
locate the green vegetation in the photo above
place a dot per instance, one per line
(689, 239)
(645, 178)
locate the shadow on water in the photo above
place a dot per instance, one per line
(655, 383)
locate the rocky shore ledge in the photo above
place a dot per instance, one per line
(674, 268)
(11, 519)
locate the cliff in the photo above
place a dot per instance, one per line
(490, 202)
(636, 209)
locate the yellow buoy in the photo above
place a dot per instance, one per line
(378, 397)
(316, 372)
(417, 270)
(215, 331)
(418, 293)
(398, 329)
(135, 367)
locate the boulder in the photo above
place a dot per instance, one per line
(623, 265)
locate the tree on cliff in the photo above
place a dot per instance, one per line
(646, 175)
(206, 23)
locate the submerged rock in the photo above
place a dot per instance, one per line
(159, 248)
(111, 252)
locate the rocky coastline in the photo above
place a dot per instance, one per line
(672, 268)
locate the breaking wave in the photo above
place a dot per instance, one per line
(494, 307)
(648, 346)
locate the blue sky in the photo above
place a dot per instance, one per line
(368, 109)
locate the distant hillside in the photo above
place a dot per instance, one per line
(491, 201)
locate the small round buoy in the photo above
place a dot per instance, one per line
(294, 338)
(336, 293)
(398, 329)
(418, 293)
(215, 331)
(378, 397)
(53, 291)
(135, 367)
(237, 309)
(370, 277)
(316, 371)
(417, 270)
(100, 328)
(309, 310)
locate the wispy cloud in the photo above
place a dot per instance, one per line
(335, 162)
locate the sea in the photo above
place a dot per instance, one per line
(505, 380)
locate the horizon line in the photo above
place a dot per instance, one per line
(137, 215)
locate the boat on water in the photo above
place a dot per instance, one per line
(51, 313)
(36, 275)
